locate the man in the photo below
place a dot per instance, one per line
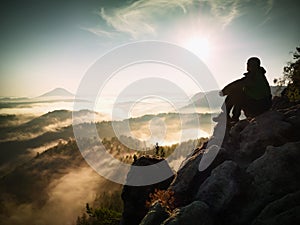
(252, 93)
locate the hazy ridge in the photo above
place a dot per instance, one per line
(40, 160)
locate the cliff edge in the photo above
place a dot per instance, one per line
(254, 178)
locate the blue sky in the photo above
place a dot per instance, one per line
(49, 44)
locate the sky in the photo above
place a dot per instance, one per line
(49, 44)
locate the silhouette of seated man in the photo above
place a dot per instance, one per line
(251, 93)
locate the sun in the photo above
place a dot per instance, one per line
(199, 46)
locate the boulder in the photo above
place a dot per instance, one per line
(237, 128)
(292, 115)
(231, 144)
(219, 189)
(186, 173)
(274, 175)
(188, 179)
(156, 215)
(282, 211)
(196, 213)
(266, 129)
(135, 197)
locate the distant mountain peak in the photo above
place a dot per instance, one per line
(61, 92)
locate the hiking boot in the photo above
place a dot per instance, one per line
(234, 120)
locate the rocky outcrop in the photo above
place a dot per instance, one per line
(266, 129)
(188, 179)
(156, 215)
(283, 211)
(273, 176)
(196, 213)
(135, 197)
(220, 187)
(253, 180)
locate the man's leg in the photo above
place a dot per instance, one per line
(228, 105)
(242, 103)
(249, 107)
(236, 112)
(226, 108)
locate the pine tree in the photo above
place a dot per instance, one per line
(291, 78)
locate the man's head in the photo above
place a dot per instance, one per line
(253, 64)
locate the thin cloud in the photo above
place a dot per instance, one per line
(225, 11)
(228, 10)
(269, 6)
(100, 32)
(139, 18)
(144, 18)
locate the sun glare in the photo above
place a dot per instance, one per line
(199, 46)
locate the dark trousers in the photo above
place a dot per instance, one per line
(233, 102)
(251, 107)
(254, 107)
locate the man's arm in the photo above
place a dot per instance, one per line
(233, 87)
